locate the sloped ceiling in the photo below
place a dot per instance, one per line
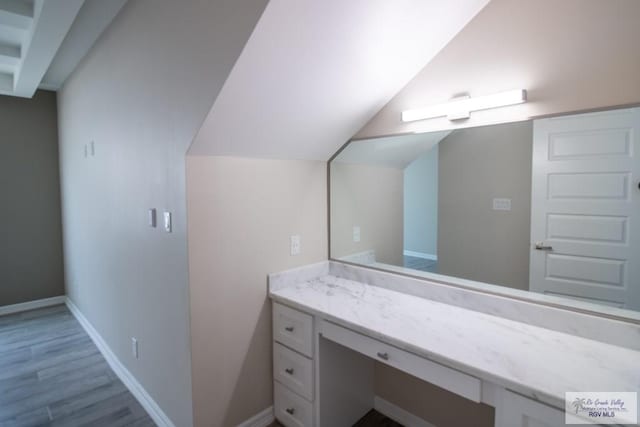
(314, 72)
(570, 56)
(391, 151)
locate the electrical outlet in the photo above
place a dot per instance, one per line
(295, 244)
(152, 217)
(356, 233)
(134, 347)
(501, 204)
(167, 222)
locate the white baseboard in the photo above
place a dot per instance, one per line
(147, 402)
(262, 419)
(31, 305)
(398, 414)
(420, 255)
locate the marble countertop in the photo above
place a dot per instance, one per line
(531, 360)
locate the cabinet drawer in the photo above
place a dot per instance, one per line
(432, 372)
(293, 370)
(518, 411)
(293, 328)
(291, 409)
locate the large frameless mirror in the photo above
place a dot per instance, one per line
(547, 209)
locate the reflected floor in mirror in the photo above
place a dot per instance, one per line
(421, 264)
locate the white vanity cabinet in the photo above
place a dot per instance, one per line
(449, 379)
(296, 371)
(329, 332)
(513, 410)
(293, 372)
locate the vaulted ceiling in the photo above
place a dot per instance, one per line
(314, 72)
(42, 41)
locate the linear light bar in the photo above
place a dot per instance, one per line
(461, 108)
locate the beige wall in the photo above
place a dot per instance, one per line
(370, 197)
(140, 95)
(242, 213)
(30, 224)
(433, 404)
(474, 241)
(570, 55)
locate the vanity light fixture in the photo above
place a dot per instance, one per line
(461, 108)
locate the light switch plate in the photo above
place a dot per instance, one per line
(167, 222)
(295, 244)
(134, 348)
(501, 204)
(356, 233)
(152, 217)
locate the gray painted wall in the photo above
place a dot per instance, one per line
(30, 225)
(474, 241)
(141, 94)
(421, 204)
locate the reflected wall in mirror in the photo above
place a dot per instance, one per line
(550, 206)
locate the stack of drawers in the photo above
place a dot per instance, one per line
(293, 366)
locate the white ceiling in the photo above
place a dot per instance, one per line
(392, 151)
(94, 17)
(42, 41)
(314, 72)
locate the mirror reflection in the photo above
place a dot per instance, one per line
(548, 206)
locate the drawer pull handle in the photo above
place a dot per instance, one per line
(289, 371)
(383, 356)
(290, 411)
(289, 328)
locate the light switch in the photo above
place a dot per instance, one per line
(152, 217)
(134, 347)
(356, 233)
(501, 204)
(167, 222)
(295, 244)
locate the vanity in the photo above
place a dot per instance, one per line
(500, 263)
(332, 322)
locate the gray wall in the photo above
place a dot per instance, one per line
(474, 241)
(141, 94)
(30, 225)
(421, 204)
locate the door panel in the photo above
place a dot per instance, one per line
(587, 228)
(599, 143)
(586, 207)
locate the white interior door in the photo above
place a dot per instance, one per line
(585, 210)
